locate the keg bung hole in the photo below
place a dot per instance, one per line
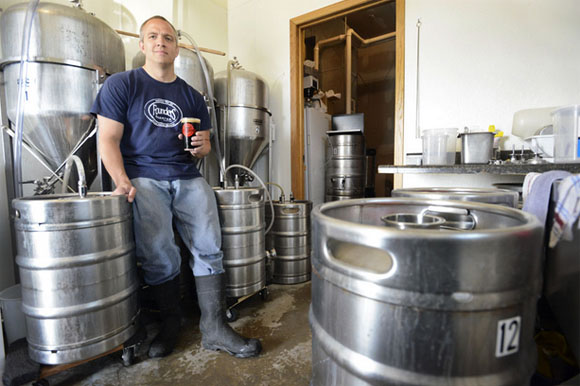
(360, 256)
(413, 221)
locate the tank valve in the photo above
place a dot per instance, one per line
(237, 181)
(76, 3)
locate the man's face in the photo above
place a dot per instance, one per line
(159, 42)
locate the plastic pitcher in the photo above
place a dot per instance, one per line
(439, 146)
(566, 122)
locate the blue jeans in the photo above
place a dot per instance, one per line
(191, 203)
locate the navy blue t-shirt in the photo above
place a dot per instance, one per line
(151, 112)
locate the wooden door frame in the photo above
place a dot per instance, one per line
(297, 55)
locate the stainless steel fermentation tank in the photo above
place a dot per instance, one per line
(423, 306)
(71, 53)
(345, 165)
(244, 116)
(78, 274)
(241, 212)
(290, 237)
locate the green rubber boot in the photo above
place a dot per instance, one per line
(166, 296)
(216, 332)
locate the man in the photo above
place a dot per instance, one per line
(139, 113)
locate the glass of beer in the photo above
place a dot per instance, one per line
(189, 126)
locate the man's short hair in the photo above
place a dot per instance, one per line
(160, 18)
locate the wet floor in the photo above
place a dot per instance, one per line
(280, 322)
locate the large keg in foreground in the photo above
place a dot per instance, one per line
(345, 165)
(78, 274)
(423, 306)
(241, 212)
(503, 197)
(290, 237)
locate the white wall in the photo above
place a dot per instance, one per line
(259, 36)
(480, 61)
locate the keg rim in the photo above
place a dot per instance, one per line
(453, 190)
(58, 197)
(529, 221)
(496, 196)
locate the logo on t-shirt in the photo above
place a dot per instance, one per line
(162, 112)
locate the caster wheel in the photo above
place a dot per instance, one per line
(128, 356)
(231, 315)
(265, 294)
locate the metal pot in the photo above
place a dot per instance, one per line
(476, 148)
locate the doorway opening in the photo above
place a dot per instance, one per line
(350, 56)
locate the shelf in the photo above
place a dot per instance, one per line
(505, 169)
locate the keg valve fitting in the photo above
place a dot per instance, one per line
(82, 186)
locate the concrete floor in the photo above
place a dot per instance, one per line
(280, 322)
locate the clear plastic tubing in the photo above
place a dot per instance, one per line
(210, 94)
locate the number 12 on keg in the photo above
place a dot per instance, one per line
(508, 336)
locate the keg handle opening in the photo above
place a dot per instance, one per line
(82, 185)
(359, 258)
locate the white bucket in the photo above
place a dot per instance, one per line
(14, 322)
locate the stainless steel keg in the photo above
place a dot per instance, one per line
(290, 237)
(78, 274)
(423, 306)
(503, 197)
(241, 212)
(345, 165)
